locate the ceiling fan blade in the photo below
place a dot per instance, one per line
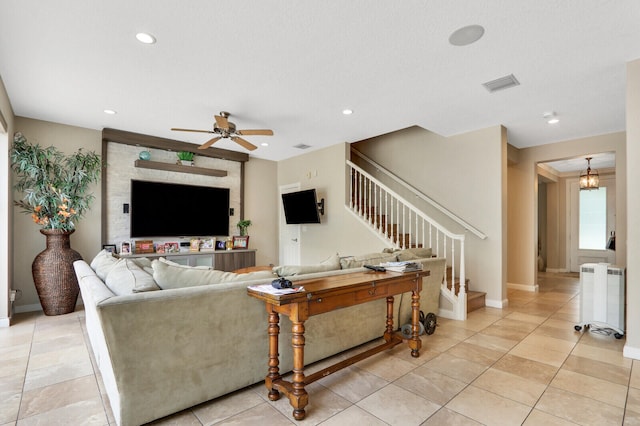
(263, 132)
(246, 144)
(222, 122)
(210, 142)
(191, 130)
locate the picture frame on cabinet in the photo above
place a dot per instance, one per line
(240, 241)
(221, 245)
(125, 248)
(109, 248)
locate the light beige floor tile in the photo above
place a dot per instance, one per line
(9, 406)
(14, 351)
(58, 373)
(353, 384)
(568, 334)
(440, 342)
(510, 386)
(540, 418)
(226, 406)
(386, 366)
(599, 354)
(549, 343)
(444, 416)
(602, 341)
(354, 415)
(403, 353)
(457, 368)
(579, 409)
(556, 323)
(42, 400)
(396, 406)
(431, 385)
(512, 321)
(492, 342)
(635, 375)
(79, 412)
(536, 353)
(631, 418)
(478, 354)
(323, 404)
(526, 368)
(633, 400)
(183, 418)
(458, 333)
(599, 369)
(262, 414)
(510, 333)
(488, 408)
(13, 366)
(591, 387)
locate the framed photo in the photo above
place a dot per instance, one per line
(125, 248)
(208, 244)
(109, 248)
(172, 247)
(160, 248)
(144, 246)
(221, 245)
(194, 244)
(240, 242)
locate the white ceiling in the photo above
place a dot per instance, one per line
(293, 66)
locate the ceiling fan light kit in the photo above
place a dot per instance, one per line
(227, 130)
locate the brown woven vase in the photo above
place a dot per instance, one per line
(53, 273)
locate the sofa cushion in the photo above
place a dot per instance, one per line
(330, 264)
(168, 275)
(126, 277)
(102, 263)
(366, 259)
(413, 253)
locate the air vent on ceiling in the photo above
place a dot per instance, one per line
(302, 146)
(501, 83)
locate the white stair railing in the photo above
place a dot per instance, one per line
(398, 222)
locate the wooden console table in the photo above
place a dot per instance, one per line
(326, 295)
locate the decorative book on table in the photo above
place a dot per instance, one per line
(406, 266)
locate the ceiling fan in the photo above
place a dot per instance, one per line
(226, 129)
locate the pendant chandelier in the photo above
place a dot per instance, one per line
(589, 179)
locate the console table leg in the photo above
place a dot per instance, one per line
(299, 397)
(274, 372)
(389, 330)
(415, 343)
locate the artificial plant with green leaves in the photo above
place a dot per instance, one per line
(55, 185)
(185, 155)
(243, 225)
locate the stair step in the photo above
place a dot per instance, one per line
(475, 300)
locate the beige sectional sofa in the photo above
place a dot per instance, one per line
(167, 337)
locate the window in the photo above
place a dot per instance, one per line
(593, 219)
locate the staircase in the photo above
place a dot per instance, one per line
(398, 222)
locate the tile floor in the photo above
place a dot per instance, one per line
(520, 365)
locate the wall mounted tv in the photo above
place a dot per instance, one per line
(160, 209)
(301, 207)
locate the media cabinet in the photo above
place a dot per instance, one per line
(222, 260)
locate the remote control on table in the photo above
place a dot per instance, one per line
(375, 268)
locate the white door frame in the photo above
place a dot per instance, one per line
(289, 235)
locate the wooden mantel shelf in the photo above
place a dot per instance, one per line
(146, 164)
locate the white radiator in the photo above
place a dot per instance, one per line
(602, 297)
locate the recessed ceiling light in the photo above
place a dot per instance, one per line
(466, 35)
(551, 117)
(110, 111)
(145, 38)
(264, 144)
(347, 111)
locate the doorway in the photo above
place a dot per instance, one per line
(289, 235)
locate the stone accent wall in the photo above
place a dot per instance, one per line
(120, 170)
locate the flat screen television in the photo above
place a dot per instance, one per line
(301, 207)
(160, 209)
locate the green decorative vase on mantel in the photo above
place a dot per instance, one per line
(55, 194)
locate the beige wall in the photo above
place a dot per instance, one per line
(261, 207)
(632, 347)
(523, 224)
(6, 232)
(339, 232)
(28, 241)
(466, 174)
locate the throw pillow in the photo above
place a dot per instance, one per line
(102, 263)
(366, 259)
(172, 275)
(127, 277)
(330, 264)
(413, 253)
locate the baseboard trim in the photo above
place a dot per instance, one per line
(524, 287)
(630, 352)
(492, 303)
(5, 322)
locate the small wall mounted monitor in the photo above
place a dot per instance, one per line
(301, 207)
